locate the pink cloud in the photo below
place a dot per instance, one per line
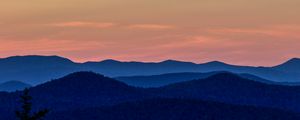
(151, 26)
(264, 45)
(84, 24)
(273, 31)
(47, 45)
(75, 24)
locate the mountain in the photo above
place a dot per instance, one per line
(87, 90)
(162, 80)
(38, 69)
(293, 65)
(115, 68)
(175, 109)
(75, 91)
(12, 86)
(170, 78)
(35, 69)
(231, 88)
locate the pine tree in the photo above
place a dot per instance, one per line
(25, 113)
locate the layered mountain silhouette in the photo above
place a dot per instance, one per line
(85, 89)
(289, 66)
(12, 86)
(35, 69)
(170, 78)
(163, 79)
(39, 69)
(96, 93)
(231, 88)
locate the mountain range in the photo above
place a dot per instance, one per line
(39, 69)
(90, 94)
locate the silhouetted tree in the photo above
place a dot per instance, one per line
(25, 113)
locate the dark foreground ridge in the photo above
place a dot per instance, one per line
(175, 109)
(89, 94)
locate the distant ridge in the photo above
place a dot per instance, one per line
(36, 58)
(292, 65)
(176, 62)
(216, 63)
(170, 78)
(36, 69)
(55, 57)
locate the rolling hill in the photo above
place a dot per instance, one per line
(171, 78)
(291, 65)
(87, 90)
(35, 69)
(231, 88)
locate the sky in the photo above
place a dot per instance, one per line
(242, 32)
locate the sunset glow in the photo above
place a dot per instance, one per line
(244, 32)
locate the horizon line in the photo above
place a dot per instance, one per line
(131, 61)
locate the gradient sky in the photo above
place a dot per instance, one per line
(244, 32)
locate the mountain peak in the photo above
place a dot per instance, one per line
(84, 79)
(110, 61)
(294, 60)
(84, 73)
(225, 75)
(37, 58)
(87, 88)
(216, 63)
(292, 65)
(170, 61)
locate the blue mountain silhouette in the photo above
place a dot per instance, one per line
(293, 65)
(170, 78)
(232, 88)
(38, 69)
(85, 90)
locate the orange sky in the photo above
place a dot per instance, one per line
(245, 32)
